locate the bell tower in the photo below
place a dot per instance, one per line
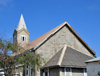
(21, 35)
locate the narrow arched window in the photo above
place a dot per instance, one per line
(23, 38)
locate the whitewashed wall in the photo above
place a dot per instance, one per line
(93, 68)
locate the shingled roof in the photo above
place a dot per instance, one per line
(37, 42)
(68, 57)
(93, 60)
(40, 40)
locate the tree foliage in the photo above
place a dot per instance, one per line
(8, 63)
(99, 73)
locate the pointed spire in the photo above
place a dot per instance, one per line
(21, 23)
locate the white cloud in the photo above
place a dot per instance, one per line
(5, 2)
(94, 7)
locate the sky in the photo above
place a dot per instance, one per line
(43, 15)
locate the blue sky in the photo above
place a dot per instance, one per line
(43, 15)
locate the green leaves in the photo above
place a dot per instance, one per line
(31, 59)
(9, 62)
(99, 73)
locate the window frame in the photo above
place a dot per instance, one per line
(46, 71)
(23, 36)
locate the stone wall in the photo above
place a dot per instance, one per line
(19, 37)
(57, 41)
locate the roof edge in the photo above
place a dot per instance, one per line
(81, 39)
(71, 29)
(70, 66)
(93, 60)
(51, 34)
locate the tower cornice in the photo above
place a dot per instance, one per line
(23, 29)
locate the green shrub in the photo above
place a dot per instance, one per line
(99, 73)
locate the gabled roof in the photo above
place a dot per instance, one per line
(37, 42)
(21, 23)
(93, 60)
(68, 57)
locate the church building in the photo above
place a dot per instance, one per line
(63, 49)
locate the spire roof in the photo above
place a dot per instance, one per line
(21, 23)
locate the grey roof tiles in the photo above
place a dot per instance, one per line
(93, 60)
(71, 58)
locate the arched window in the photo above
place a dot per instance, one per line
(23, 38)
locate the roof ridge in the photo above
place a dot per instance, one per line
(51, 32)
(61, 25)
(37, 42)
(40, 40)
(62, 55)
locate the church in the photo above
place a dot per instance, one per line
(63, 49)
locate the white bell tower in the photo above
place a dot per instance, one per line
(21, 35)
